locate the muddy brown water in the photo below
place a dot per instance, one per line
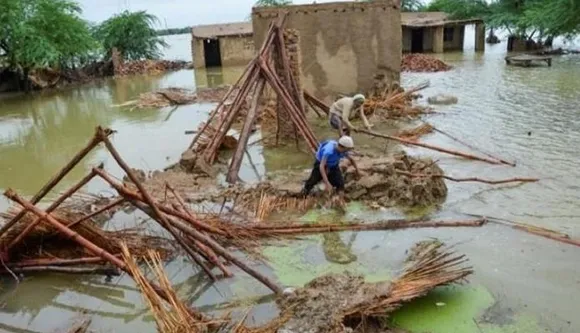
(522, 283)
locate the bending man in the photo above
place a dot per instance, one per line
(326, 167)
(341, 112)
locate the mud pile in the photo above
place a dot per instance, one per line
(386, 181)
(341, 303)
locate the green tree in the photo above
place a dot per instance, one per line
(43, 33)
(133, 34)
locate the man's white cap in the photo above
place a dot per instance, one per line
(359, 97)
(346, 141)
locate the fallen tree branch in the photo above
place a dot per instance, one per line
(470, 179)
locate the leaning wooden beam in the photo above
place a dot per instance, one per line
(57, 178)
(222, 252)
(278, 87)
(470, 179)
(225, 123)
(149, 200)
(209, 254)
(245, 133)
(315, 101)
(52, 207)
(428, 146)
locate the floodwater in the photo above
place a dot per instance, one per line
(522, 283)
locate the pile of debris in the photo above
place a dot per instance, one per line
(322, 306)
(385, 182)
(395, 102)
(419, 62)
(149, 66)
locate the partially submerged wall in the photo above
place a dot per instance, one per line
(236, 50)
(343, 44)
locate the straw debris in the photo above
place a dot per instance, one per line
(322, 305)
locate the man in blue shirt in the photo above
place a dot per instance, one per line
(326, 166)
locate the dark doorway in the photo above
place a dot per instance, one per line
(211, 52)
(417, 40)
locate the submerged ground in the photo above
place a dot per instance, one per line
(522, 283)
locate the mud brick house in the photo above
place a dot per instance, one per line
(435, 32)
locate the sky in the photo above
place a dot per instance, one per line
(177, 13)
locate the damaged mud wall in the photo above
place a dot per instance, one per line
(285, 126)
(353, 40)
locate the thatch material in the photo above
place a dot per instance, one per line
(344, 303)
(395, 102)
(171, 316)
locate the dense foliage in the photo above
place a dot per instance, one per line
(43, 33)
(133, 34)
(51, 33)
(525, 19)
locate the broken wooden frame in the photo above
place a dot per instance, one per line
(192, 235)
(263, 70)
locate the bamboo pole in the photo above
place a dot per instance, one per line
(57, 178)
(245, 133)
(470, 179)
(52, 207)
(210, 255)
(428, 146)
(150, 201)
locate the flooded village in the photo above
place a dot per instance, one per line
(164, 191)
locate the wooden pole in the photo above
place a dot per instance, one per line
(97, 212)
(221, 251)
(388, 225)
(245, 133)
(291, 107)
(58, 177)
(9, 193)
(472, 147)
(209, 254)
(52, 207)
(57, 262)
(428, 146)
(129, 194)
(149, 200)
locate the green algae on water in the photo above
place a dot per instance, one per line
(457, 309)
